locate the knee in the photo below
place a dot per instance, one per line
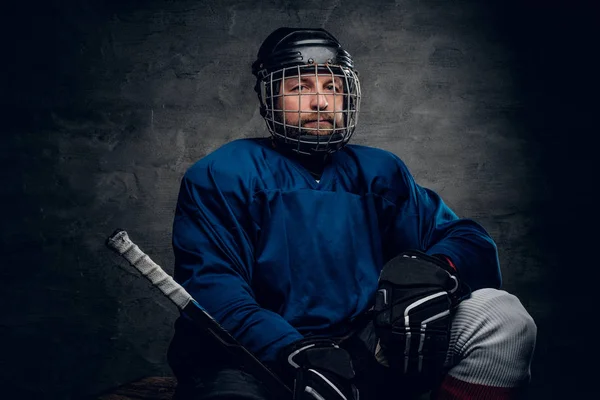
(493, 340)
(502, 318)
(507, 310)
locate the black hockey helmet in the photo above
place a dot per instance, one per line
(291, 52)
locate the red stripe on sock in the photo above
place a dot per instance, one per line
(455, 389)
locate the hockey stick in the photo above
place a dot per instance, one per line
(120, 243)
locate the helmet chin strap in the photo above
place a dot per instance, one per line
(307, 144)
(291, 150)
(321, 140)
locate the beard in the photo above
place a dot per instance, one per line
(294, 131)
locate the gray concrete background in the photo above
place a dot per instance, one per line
(107, 103)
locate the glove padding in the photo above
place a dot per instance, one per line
(415, 300)
(319, 370)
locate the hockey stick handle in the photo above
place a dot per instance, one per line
(120, 242)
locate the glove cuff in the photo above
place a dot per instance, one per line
(456, 288)
(320, 354)
(447, 260)
(438, 259)
(294, 355)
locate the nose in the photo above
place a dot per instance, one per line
(318, 102)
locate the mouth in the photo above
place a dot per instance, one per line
(322, 123)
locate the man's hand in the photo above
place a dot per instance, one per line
(320, 370)
(415, 300)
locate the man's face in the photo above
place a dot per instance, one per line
(313, 101)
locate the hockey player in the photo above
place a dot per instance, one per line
(330, 263)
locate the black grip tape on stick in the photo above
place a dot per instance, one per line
(120, 242)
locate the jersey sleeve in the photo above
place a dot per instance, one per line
(213, 249)
(422, 221)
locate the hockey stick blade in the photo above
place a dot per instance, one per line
(120, 243)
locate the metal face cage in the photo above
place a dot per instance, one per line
(329, 119)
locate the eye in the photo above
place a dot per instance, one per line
(333, 87)
(298, 88)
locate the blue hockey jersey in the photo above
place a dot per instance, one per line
(274, 255)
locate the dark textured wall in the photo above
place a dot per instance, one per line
(106, 104)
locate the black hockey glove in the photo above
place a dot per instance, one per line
(318, 370)
(415, 301)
